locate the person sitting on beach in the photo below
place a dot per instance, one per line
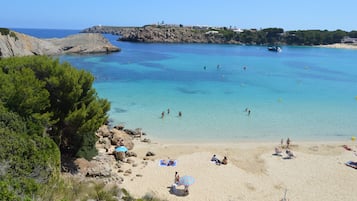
(215, 159)
(290, 154)
(278, 151)
(225, 161)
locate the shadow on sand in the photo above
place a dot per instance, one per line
(177, 192)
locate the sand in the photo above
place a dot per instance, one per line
(340, 45)
(253, 173)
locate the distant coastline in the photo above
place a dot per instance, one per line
(163, 33)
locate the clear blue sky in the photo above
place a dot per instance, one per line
(80, 14)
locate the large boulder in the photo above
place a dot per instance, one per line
(100, 166)
(103, 131)
(118, 135)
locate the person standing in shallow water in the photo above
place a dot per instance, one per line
(288, 143)
(180, 114)
(162, 115)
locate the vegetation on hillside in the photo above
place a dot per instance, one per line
(278, 36)
(47, 108)
(55, 99)
(6, 31)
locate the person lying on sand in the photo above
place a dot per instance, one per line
(163, 162)
(171, 163)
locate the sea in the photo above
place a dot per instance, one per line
(224, 93)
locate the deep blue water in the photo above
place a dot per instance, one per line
(303, 92)
(46, 33)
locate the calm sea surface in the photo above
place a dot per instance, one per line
(305, 93)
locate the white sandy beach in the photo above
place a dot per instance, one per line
(253, 173)
(341, 45)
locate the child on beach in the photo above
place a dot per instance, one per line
(177, 178)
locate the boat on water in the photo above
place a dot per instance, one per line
(274, 48)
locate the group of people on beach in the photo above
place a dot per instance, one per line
(170, 162)
(168, 112)
(279, 150)
(177, 183)
(219, 162)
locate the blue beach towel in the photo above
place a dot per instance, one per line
(162, 163)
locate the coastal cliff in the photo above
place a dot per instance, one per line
(18, 44)
(166, 34)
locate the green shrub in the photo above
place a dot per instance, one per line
(4, 31)
(12, 34)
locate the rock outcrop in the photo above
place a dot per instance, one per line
(24, 45)
(106, 166)
(84, 43)
(18, 44)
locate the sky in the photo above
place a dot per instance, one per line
(80, 14)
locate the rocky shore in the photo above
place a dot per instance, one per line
(18, 44)
(109, 166)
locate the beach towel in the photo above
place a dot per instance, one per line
(351, 164)
(164, 163)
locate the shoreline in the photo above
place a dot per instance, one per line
(253, 173)
(340, 46)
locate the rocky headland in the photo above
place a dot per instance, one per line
(166, 34)
(18, 44)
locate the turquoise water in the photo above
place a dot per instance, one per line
(304, 93)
